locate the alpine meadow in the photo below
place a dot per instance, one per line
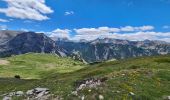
(84, 50)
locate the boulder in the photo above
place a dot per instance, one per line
(38, 90)
(30, 92)
(19, 93)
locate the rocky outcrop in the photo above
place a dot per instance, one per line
(33, 94)
(88, 83)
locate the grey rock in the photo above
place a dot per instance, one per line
(41, 89)
(89, 83)
(19, 93)
(30, 92)
(166, 98)
(11, 94)
(41, 94)
(7, 98)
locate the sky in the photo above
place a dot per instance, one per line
(89, 19)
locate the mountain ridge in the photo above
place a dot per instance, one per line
(98, 50)
(107, 48)
(26, 42)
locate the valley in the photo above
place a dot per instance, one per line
(34, 66)
(134, 78)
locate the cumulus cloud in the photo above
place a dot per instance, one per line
(3, 20)
(131, 29)
(135, 36)
(112, 30)
(59, 33)
(27, 9)
(127, 33)
(100, 30)
(69, 13)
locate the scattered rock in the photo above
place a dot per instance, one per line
(38, 93)
(34, 94)
(89, 83)
(30, 92)
(75, 93)
(131, 93)
(166, 98)
(101, 97)
(7, 98)
(11, 94)
(19, 93)
(38, 90)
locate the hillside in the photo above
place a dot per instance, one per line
(34, 65)
(15, 43)
(144, 78)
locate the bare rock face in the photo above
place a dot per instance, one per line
(105, 49)
(29, 42)
(6, 35)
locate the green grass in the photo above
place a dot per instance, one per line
(35, 66)
(147, 77)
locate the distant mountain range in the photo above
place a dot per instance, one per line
(18, 42)
(106, 49)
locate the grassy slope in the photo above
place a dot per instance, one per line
(33, 66)
(147, 77)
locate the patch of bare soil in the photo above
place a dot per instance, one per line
(4, 62)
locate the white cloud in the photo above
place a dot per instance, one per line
(27, 9)
(135, 36)
(59, 33)
(130, 33)
(142, 28)
(103, 30)
(127, 32)
(93, 31)
(69, 13)
(3, 27)
(145, 28)
(3, 20)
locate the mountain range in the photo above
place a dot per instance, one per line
(107, 49)
(101, 49)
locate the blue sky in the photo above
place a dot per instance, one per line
(67, 17)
